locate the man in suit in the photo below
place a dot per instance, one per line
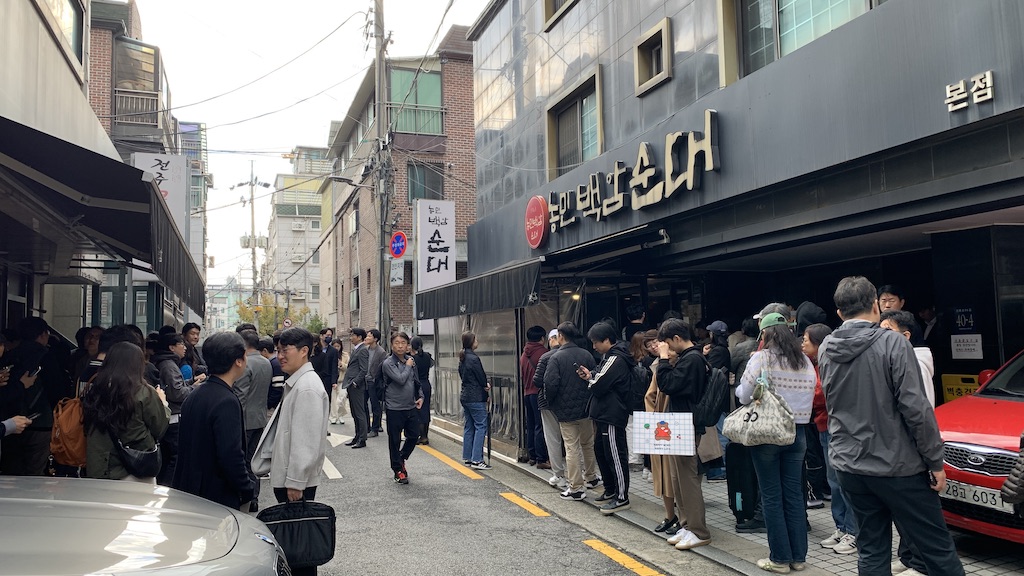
(211, 454)
(355, 383)
(375, 379)
(252, 389)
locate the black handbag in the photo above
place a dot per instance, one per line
(305, 531)
(138, 463)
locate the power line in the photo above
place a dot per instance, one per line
(419, 68)
(247, 84)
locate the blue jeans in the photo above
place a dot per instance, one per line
(842, 514)
(779, 473)
(474, 430)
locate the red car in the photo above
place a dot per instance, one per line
(981, 433)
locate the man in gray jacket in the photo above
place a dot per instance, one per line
(885, 444)
(355, 382)
(402, 400)
(252, 389)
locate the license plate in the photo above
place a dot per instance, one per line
(985, 497)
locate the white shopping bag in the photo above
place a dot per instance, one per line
(669, 433)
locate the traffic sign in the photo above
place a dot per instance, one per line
(398, 244)
(287, 322)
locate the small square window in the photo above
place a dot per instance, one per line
(314, 224)
(574, 133)
(554, 10)
(652, 57)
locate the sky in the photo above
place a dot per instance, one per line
(212, 47)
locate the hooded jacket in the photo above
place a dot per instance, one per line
(474, 379)
(927, 366)
(567, 394)
(401, 383)
(538, 378)
(528, 363)
(609, 387)
(685, 381)
(878, 414)
(808, 313)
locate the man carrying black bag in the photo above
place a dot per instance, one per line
(298, 456)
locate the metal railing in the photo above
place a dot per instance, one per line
(136, 107)
(417, 119)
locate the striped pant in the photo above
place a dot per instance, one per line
(612, 458)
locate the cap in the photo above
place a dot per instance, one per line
(773, 319)
(718, 327)
(553, 333)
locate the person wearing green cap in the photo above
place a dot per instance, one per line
(780, 468)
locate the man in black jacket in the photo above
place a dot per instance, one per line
(609, 390)
(211, 455)
(568, 394)
(355, 382)
(684, 384)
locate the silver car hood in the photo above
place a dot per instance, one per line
(51, 526)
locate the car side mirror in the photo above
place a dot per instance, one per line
(985, 376)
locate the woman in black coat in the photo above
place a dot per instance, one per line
(475, 388)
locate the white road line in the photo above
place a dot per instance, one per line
(330, 471)
(336, 439)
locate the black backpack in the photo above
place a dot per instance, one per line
(715, 399)
(639, 382)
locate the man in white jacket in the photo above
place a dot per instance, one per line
(301, 441)
(903, 322)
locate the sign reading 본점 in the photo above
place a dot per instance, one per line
(966, 347)
(435, 243)
(957, 96)
(663, 433)
(170, 173)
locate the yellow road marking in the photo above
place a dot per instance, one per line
(625, 560)
(525, 504)
(466, 470)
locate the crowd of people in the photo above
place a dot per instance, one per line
(862, 404)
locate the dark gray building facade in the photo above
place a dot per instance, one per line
(749, 151)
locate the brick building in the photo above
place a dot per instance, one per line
(431, 151)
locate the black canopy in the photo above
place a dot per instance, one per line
(513, 286)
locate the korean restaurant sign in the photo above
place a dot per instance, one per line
(957, 97)
(170, 173)
(650, 181)
(435, 243)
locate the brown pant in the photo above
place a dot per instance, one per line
(578, 436)
(688, 495)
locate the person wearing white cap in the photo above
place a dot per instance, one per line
(552, 432)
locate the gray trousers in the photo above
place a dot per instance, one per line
(553, 439)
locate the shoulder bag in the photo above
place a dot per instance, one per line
(138, 463)
(766, 420)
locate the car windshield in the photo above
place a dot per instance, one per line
(1008, 382)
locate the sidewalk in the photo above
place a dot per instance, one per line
(981, 555)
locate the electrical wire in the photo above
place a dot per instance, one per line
(247, 84)
(419, 68)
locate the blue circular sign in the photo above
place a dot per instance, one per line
(398, 244)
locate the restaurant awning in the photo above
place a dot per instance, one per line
(512, 286)
(116, 206)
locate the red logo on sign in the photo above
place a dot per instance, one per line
(537, 222)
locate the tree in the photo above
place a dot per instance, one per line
(315, 323)
(265, 315)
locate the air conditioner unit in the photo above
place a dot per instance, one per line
(298, 296)
(298, 225)
(298, 259)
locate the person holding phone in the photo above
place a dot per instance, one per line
(475, 391)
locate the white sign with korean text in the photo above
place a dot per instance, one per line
(397, 273)
(663, 433)
(967, 347)
(435, 248)
(170, 173)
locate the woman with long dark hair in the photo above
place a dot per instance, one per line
(120, 403)
(780, 468)
(424, 361)
(475, 389)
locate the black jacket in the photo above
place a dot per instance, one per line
(474, 379)
(211, 454)
(538, 378)
(719, 357)
(685, 382)
(326, 366)
(52, 384)
(567, 394)
(609, 387)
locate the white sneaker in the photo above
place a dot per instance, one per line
(334, 420)
(897, 567)
(691, 541)
(833, 540)
(847, 545)
(645, 474)
(678, 536)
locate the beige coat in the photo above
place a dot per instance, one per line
(301, 442)
(657, 401)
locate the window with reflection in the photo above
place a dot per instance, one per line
(576, 129)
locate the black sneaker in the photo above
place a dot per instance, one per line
(615, 506)
(605, 497)
(752, 526)
(401, 478)
(590, 484)
(578, 496)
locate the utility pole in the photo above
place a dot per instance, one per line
(252, 243)
(382, 181)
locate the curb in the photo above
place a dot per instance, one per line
(709, 552)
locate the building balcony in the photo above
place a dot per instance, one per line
(141, 116)
(418, 127)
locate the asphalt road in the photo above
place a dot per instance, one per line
(447, 522)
